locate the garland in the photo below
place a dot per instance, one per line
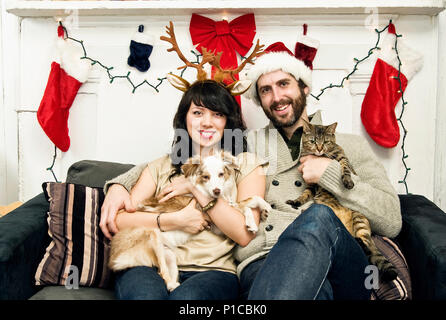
(340, 85)
(404, 103)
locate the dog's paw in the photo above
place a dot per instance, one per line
(264, 215)
(172, 285)
(266, 207)
(252, 227)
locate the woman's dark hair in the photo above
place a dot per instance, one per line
(215, 97)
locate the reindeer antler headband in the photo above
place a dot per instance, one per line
(235, 88)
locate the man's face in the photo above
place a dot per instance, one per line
(282, 100)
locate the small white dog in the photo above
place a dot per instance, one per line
(142, 246)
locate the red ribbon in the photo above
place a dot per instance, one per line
(223, 36)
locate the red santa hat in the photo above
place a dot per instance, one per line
(278, 57)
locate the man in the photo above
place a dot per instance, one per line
(299, 253)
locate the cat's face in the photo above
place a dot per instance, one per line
(318, 139)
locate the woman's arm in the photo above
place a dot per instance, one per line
(230, 220)
(188, 219)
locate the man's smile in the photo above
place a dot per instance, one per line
(281, 109)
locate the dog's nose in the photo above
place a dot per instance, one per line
(216, 191)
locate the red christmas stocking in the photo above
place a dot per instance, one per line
(306, 48)
(67, 74)
(384, 92)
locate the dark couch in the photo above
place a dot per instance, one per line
(24, 238)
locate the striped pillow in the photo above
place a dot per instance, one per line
(401, 287)
(78, 252)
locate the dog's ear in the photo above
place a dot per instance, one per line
(189, 169)
(231, 162)
(191, 166)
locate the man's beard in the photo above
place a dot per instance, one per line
(297, 105)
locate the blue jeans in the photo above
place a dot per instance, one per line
(144, 283)
(315, 258)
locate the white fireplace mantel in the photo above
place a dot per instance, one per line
(111, 21)
(24, 8)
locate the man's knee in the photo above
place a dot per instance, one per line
(320, 213)
(318, 218)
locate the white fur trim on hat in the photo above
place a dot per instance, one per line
(411, 60)
(310, 42)
(69, 57)
(142, 37)
(274, 61)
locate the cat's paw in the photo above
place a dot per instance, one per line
(348, 183)
(389, 274)
(294, 203)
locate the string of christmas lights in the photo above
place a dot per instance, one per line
(355, 67)
(127, 76)
(341, 85)
(399, 119)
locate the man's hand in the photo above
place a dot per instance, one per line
(116, 198)
(313, 167)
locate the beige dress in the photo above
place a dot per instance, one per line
(205, 250)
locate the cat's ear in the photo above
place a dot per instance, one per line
(306, 126)
(332, 128)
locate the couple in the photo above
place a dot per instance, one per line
(296, 254)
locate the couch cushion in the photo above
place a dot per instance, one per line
(82, 293)
(423, 242)
(23, 239)
(78, 251)
(401, 287)
(94, 173)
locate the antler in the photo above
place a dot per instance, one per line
(222, 74)
(201, 73)
(258, 51)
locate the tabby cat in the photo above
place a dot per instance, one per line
(320, 140)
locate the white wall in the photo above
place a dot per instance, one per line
(9, 163)
(440, 149)
(108, 122)
(2, 128)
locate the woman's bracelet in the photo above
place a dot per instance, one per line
(158, 221)
(210, 205)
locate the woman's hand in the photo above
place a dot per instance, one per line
(190, 219)
(179, 186)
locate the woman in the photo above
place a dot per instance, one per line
(207, 269)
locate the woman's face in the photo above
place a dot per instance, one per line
(205, 127)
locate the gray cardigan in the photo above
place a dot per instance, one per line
(373, 195)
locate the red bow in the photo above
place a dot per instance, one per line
(224, 36)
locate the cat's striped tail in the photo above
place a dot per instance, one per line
(362, 232)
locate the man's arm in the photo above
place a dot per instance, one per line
(118, 198)
(127, 179)
(373, 195)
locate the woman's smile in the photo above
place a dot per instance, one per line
(207, 134)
